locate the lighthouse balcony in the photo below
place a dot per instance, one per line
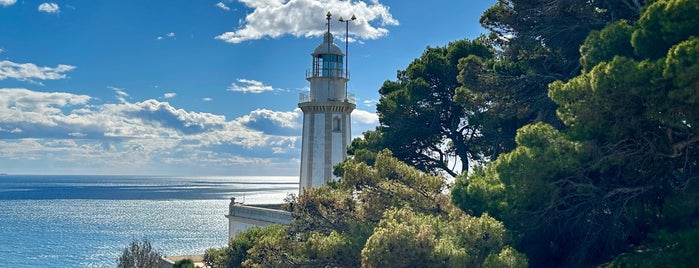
(328, 72)
(306, 97)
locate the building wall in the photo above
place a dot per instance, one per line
(241, 217)
(318, 148)
(324, 140)
(239, 224)
(328, 89)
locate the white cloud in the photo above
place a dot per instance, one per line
(22, 108)
(77, 134)
(275, 18)
(29, 71)
(121, 94)
(49, 8)
(2, 50)
(168, 35)
(7, 3)
(149, 130)
(365, 117)
(248, 85)
(15, 130)
(119, 91)
(223, 6)
(51, 129)
(280, 119)
(207, 99)
(169, 95)
(370, 103)
(285, 126)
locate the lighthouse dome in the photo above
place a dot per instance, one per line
(328, 47)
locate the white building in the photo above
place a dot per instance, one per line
(326, 134)
(326, 115)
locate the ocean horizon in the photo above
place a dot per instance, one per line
(87, 220)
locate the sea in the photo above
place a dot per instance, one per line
(87, 221)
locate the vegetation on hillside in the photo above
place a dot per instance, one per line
(389, 214)
(570, 130)
(139, 254)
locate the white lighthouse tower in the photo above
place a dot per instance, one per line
(326, 115)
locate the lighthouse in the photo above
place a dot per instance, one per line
(327, 112)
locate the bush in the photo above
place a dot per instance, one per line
(184, 263)
(216, 257)
(139, 254)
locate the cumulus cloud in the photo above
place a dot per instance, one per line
(223, 6)
(273, 122)
(170, 34)
(276, 18)
(169, 95)
(29, 71)
(48, 129)
(27, 112)
(162, 114)
(49, 8)
(207, 99)
(247, 85)
(365, 117)
(6, 3)
(58, 126)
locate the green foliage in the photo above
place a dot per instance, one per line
(663, 249)
(604, 45)
(388, 214)
(604, 103)
(479, 193)
(676, 244)
(184, 263)
(681, 68)
(268, 248)
(543, 36)
(405, 238)
(663, 25)
(537, 43)
(238, 247)
(139, 254)
(217, 258)
(528, 188)
(463, 103)
(420, 121)
(627, 156)
(402, 239)
(365, 149)
(507, 258)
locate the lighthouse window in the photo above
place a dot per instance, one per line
(331, 65)
(336, 124)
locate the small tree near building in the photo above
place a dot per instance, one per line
(139, 254)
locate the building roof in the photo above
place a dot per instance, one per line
(328, 47)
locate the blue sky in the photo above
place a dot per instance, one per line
(182, 87)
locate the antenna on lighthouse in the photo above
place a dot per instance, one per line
(346, 49)
(327, 17)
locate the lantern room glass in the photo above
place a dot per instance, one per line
(328, 65)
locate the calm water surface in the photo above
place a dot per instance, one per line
(86, 221)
